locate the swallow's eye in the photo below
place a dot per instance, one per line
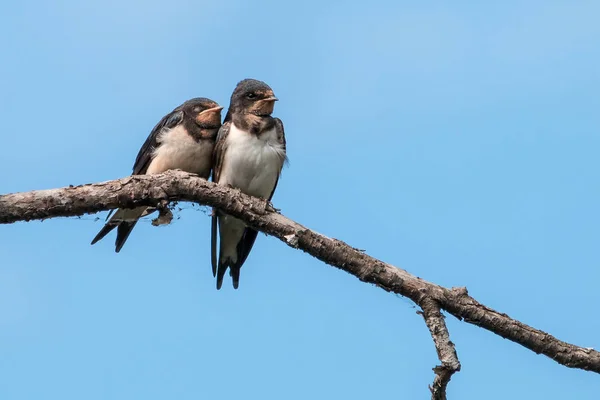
(197, 109)
(251, 95)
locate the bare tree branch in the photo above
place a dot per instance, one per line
(176, 185)
(443, 346)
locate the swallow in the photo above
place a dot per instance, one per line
(184, 139)
(249, 155)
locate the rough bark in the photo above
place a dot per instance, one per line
(443, 346)
(176, 185)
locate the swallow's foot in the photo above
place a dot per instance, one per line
(271, 208)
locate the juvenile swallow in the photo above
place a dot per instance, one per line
(249, 155)
(184, 139)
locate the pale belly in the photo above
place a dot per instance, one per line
(251, 176)
(180, 151)
(251, 164)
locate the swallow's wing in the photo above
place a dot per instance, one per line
(218, 156)
(219, 150)
(144, 157)
(281, 138)
(140, 166)
(249, 236)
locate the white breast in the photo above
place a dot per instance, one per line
(178, 150)
(252, 163)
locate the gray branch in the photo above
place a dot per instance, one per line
(154, 190)
(443, 346)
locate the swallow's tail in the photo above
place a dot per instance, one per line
(221, 269)
(213, 242)
(234, 258)
(125, 221)
(104, 231)
(123, 233)
(230, 233)
(234, 272)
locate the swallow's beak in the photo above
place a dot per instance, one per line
(272, 98)
(210, 116)
(211, 110)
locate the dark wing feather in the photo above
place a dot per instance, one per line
(219, 150)
(142, 161)
(218, 153)
(281, 137)
(249, 236)
(140, 166)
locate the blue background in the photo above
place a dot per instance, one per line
(457, 141)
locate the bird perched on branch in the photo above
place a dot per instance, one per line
(249, 155)
(184, 139)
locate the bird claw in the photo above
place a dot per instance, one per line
(271, 208)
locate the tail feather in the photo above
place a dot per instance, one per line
(213, 243)
(234, 271)
(221, 273)
(233, 251)
(123, 233)
(245, 245)
(124, 221)
(104, 231)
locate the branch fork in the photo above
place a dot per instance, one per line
(157, 190)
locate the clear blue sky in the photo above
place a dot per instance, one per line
(459, 142)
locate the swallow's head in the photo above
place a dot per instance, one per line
(206, 113)
(253, 97)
